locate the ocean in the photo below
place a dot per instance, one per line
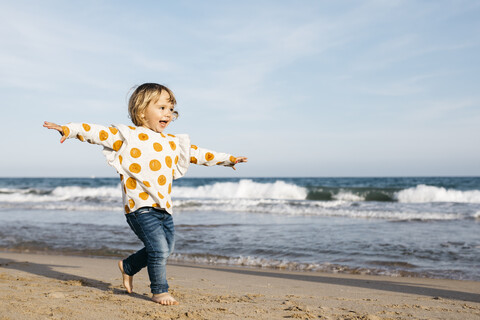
(406, 226)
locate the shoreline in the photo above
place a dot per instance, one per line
(334, 268)
(57, 286)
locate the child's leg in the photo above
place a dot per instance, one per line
(155, 229)
(165, 298)
(127, 280)
(133, 264)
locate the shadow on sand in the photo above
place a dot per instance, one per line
(47, 270)
(381, 284)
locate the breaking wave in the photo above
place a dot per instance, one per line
(276, 197)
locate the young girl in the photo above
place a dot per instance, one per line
(147, 160)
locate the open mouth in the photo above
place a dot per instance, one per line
(163, 122)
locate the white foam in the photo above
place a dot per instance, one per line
(61, 194)
(263, 263)
(248, 261)
(82, 192)
(424, 193)
(395, 211)
(245, 188)
(279, 198)
(348, 196)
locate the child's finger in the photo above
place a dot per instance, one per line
(49, 125)
(63, 139)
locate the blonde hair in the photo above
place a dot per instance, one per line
(141, 98)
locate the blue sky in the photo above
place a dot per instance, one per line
(303, 88)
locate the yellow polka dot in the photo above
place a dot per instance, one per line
(169, 188)
(193, 160)
(194, 147)
(160, 195)
(135, 153)
(171, 135)
(117, 145)
(173, 172)
(103, 135)
(131, 203)
(176, 159)
(131, 183)
(135, 168)
(155, 165)
(147, 184)
(127, 210)
(113, 130)
(120, 158)
(157, 146)
(220, 162)
(143, 195)
(168, 161)
(155, 205)
(133, 128)
(233, 159)
(209, 156)
(163, 136)
(121, 177)
(162, 180)
(80, 137)
(172, 145)
(124, 189)
(143, 136)
(168, 205)
(66, 131)
(86, 127)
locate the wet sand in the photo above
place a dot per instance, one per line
(40, 286)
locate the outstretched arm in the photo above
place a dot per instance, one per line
(108, 137)
(206, 157)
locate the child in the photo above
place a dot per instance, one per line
(147, 160)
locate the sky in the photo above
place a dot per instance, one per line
(302, 88)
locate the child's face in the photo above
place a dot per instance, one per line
(158, 115)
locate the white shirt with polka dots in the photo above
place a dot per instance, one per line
(147, 161)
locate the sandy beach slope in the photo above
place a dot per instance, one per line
(39, 286)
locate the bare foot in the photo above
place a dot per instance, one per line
(127, 280)
(165, 298)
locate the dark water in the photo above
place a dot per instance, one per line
(423, 227)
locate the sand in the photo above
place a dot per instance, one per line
(41, 286)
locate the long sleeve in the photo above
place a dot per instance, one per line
(207, 157)
(108, 137)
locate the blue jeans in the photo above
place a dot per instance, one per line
(155, 228)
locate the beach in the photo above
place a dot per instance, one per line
(54, 286)
(415, 227)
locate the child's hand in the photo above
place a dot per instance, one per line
(51, 125)
(238, 160)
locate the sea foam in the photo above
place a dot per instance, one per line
(245, 188)
(424, 193)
